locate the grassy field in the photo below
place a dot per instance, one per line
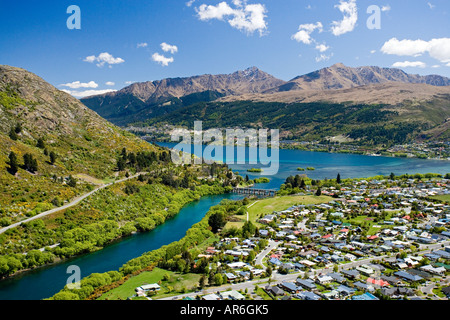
(444, 198)
(267, 206)
(176, 280)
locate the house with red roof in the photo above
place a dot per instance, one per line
(378, 282)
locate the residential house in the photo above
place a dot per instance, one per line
(232, 295)
(363, 286)
(337, 277)
(230, 277)
(397, 292)
(407, 276)
(289, 287)
(435, 270)
(351, 274)
(377, 282)
(307, 283)
(306, 295)
(154, 287)
(345, 291)
(211, 297)
(365, 270)
(325, 279)
(276, 291)
(446, 291)
(392, 280)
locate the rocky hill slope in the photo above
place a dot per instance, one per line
(38, 120)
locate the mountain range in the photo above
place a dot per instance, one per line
(338, 83)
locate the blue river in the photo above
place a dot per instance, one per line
(44, 282)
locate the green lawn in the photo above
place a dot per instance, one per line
(444, 197)
(176, 281)
(267, 206)
(260, 292)
(371, 222)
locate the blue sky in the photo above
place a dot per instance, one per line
(132, 41)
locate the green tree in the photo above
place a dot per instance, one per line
(202, 281)
(216, 221)
(319, 192)
(30, 164)
(218, 279)
(40, 143)
(18, 128)
(52, 157)
(338, 178)
(13, 134)
(13, 165)
(72, 182)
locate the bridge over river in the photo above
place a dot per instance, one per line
(257, 192)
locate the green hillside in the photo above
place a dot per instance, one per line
(63, 137)
(366, 124)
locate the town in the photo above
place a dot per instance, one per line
(375, 239)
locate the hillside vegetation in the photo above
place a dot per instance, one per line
(375, 124)
(63, 138)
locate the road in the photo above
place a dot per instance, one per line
(429, 286)
(68, 205)
(259, 258)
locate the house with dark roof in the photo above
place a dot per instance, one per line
(391, 280)
(345, 291)
(446, 291)
(276, 291)
(397, 292)
(337, 277)
(306, 295)
(307, 284)
(407, 276)
(289, 287)
(351, 274)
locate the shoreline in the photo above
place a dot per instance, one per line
(283, 147)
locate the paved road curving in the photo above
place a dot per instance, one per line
(68, 205)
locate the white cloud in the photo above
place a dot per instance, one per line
(161, 59)
(129, 82)
(142, 45)
(323, 57)
(348, 23)
(373, 51)
(405, 47)
(308, 7)
(432, 6)
(103, 58)
(409, 64)
(110, 83)
(167, 47)
(436, 66)
(448, 64)
(386, 8)
(244, 17)
(304, 32)
(78, 84)
(438, 49)
(87, 93)
(190, 3)
(322, 47)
